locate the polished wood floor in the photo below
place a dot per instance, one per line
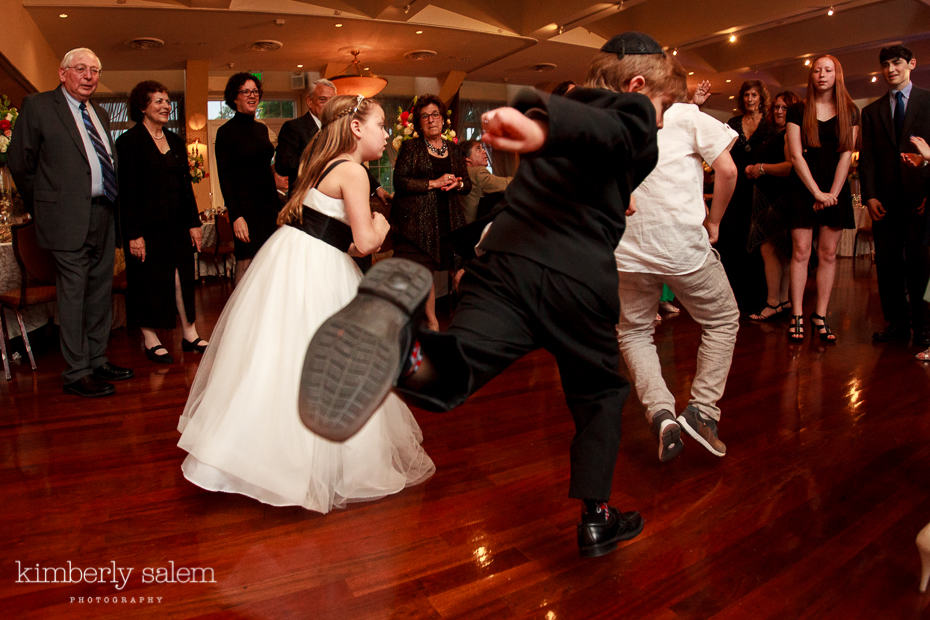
(812, 513)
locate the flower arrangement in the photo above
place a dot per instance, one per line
(8, 116)
(404, 127)
(197, 170)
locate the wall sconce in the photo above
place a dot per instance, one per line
(196, 121)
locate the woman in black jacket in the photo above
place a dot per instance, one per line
(160, 223)
(243, 163)
(429, 170)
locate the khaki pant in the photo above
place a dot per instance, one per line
(708, 298)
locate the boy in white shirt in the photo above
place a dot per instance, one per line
(668, 241)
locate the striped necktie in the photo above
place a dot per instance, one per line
(106, 164)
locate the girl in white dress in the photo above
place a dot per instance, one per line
(240, 425)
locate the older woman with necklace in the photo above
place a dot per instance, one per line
(428, 172)
(160, 223)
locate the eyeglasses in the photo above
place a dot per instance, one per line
(251, 92)
(82, 69)
(430, 116)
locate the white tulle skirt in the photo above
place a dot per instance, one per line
(240, 425)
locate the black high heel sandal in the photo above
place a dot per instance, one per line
(823, 330)
(796, 329)
(777, 310)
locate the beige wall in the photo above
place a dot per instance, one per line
(25, 48)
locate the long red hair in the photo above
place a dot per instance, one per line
(845, 109)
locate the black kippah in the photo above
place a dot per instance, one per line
(629, 43)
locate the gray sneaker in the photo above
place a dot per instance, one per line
(667, 431)
(703, 429)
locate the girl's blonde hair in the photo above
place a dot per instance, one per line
(846, 110)
(334, 138)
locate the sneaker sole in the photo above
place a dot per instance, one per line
(596, 551)
(670, 444)
(697, 437)
(355, 357)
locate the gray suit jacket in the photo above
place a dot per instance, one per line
(50, 167)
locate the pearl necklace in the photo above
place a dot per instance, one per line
(440, 152)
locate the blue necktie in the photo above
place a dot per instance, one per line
(106, 165)
(898, 114)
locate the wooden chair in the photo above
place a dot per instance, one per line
(37, 286)
(864, 232)
(224, 246)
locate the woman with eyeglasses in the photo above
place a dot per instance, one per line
(243, 163)
(160, 223)
(769, 230)
(744, 269)
(428, 175)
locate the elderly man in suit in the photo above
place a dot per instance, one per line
(296, 134)
(63, 161)
(896, 197)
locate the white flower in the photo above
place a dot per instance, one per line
(452, 133)
(397, 142)
(408, 130)
(4, 143)
(9, 117)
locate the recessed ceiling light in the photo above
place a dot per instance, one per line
(874, 79)
(807, 62)
(732, 96)
(690, 72)
(419, 32)
(728, 81)
(338, 25)
(831, 11)
(300, 66)
(732, 38)
(675, 52)
(63, 15)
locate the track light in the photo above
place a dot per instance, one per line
(831, 11)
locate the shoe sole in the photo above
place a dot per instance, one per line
(697, 437)
(89, 395)
(670, 444)
(596, 551)
(355, 357)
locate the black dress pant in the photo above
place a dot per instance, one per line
(510, 306)
(902, 264)
(84, 285)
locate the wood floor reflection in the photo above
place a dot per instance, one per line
(812, 513)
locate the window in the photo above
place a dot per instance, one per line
(268, 108)
(117, 106)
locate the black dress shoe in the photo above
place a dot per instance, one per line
(892, 333)
(111, 372)
(358, 353)
(90, 387)
(199, 345)
(599, 533)
(159, 358)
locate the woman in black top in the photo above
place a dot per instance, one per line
(744, 268)
(821, 136)
(160, 223)
(428, 171)
(770, 203)
(243, 162)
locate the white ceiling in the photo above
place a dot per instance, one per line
(497, 40)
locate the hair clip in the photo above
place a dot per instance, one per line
(358, 101)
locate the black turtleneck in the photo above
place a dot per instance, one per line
(243, 162)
